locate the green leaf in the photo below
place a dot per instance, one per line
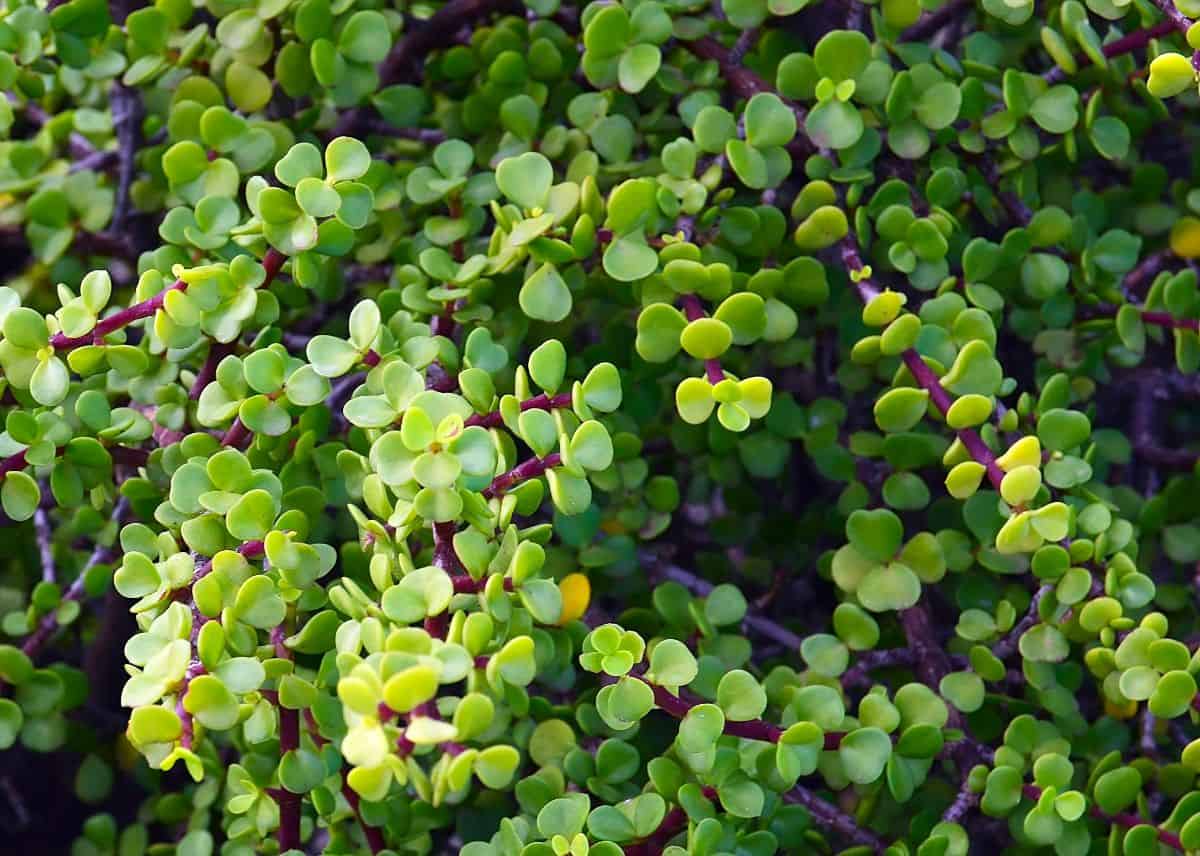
(545, 295)
(525, 179)
(875, 534)
(864, 753)
(20, 495)
(842, 54)
(740, 696)
(769, 122)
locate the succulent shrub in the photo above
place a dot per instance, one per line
(632, 427)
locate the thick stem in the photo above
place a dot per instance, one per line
(672, 824)
(929, 658)
(437, 378)
(238, 435)
(694, 310)
(934, 21)
(250, 549)
(538, 402)
(289, 741)
(530, 469)
(746, 84)
(272, 262)
(1137, 282)
(941, 399)
(1126, 44)
(1166, 319)
(924, 375)
(1129, 821)
(373, 834)
(464, 584)
(963, 803)
(120, 455)
(100, 555)
(216, 352)
(679, 706)
(444, 556)
(757, 729)
(187, 733)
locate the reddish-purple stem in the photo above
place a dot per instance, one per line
(538, 402)
(217, 352)
(289, 741)
(272, 262)
(694, 310)
(1126, 44)
(1166, 319)
(187, 733)
(970, 438)
(13, 462)
(757, 729)
(923, 374)
(238, 435)
(530, 469)
(1129, 821)
(464, 584)
(373, 834)
(444, 556)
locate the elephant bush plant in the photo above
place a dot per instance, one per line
(640, 427)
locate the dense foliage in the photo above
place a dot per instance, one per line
(641, 427)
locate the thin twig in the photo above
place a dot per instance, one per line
(1006, 646)
(127, 113)
(756, 623)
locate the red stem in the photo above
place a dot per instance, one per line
(238, 435)
(272, 262)
(217, 352)
(530, 469)
(464, 584)
(757, 729)
(373, 834)
(694, 310)
(1166, 319)
(538, 402)
(927, 380)
(941, 399)
(15, 461)
(444, 556)
(1135, 40)
(187, 732)
(289, 741)
(1129, 821)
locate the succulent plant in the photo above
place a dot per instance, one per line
(631, 427)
